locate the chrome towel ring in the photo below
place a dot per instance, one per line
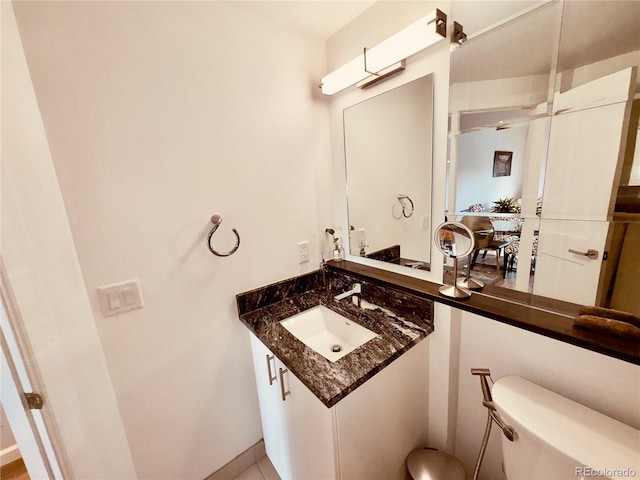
(406, 211)
(217, 220)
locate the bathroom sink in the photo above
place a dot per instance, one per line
(327, 332)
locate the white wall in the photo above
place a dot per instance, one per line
(43, 269)
(462, 340)
(607, 385)
(475, 182)
(158, 115)
(373, 26)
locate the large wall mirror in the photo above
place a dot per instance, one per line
(388, 151)
(543, 128)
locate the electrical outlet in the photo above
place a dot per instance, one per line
(424, 222)
(361, 236)
(303, 252)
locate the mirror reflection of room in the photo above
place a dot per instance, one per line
(540, 157)
(498, 122)
(388, 149)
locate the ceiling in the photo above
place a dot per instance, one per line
(518, 48)
(317, 18)
(524, 46)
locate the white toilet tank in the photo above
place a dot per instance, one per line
(561, 439)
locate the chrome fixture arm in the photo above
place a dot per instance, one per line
(415, 264)
(508, 431)
(493, 416)
(483, 373)
(356, 289)
(216, 220)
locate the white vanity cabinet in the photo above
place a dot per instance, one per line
(368, 434)
(297, 427)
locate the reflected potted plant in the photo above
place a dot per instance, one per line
(505, 205)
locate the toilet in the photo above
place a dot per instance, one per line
(555, 438)
(559, 439)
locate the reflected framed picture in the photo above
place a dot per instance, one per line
(502, 163)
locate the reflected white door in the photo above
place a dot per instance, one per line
(586, 146)
(582, 168)
(566, 275)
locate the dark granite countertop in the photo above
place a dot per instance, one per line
(332, 381)
(412, 299)
(551, 318)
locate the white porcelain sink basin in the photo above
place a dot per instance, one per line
(327, 332)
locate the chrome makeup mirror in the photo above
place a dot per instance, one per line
(454, 240)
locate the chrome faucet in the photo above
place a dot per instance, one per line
(356, 290)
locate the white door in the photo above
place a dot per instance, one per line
(41, 260)
(586, 146)
(17, 378)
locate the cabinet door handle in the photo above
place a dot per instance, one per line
(288, 392)
(272, 378)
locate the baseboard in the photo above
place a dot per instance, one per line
(239, 464)
(9, 454)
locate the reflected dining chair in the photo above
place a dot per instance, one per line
(485, 238)
(511, 255)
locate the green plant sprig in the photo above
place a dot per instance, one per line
(332, 232)
(336, 240)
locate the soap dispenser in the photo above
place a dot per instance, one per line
(338, 252)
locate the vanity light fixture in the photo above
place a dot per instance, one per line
(458, 37)
(389, 56)
(382, 74)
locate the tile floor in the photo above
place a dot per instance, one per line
(262, 470)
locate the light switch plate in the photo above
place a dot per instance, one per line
(120, 297)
